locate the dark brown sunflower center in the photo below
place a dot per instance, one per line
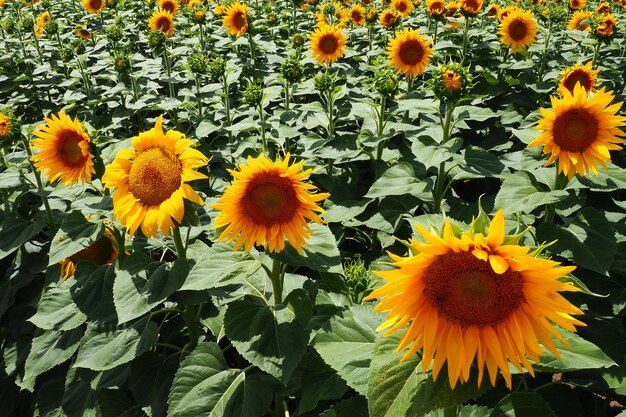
(470, 6)
(436, 8)
(164, 23)
(100, 252)
(69, 149)
(466, 291)
(270, 199)
(154, 176)
(328, 44)
(96, 4)
(401, 7)
(577, 76)
(356, 16)
(575, 130)
(411, 52)
(518, 30)
(168, 6)
(239, 20)
(389, 19)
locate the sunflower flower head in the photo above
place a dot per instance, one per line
(475, 297)
(518, 30)
(471, 7)
(151, 180)
(388, 17)
(579, 74)
(9, 127)
(409, 52)
(102, 251)
(64, 150)
(580, 130)
(580, 20)
(171, 6)
(93, 6)
(235, 18)
(435, 8)
(268, 203)
(403, 7)
(328, 44)
(163, 21)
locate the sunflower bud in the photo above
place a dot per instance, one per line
(292, 69)
(114, 33)
(199, 16)
(386, 82)
(217, 68)
(357, 279)
(122, 63)
(198, 63)
(156, 39)
(51, 27)
(8, 25)
(78, 45)
(28, 24)
(67, 54)
(253, 95)
(9, 127)
(324, 83)
(450, 82)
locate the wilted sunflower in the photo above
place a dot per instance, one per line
(403, 7)
(101, 252)
(151, 180)
(357, 15)
(518, 30)
(65, 153)
(328, 44)
(236, 19)
(580, 20)
(93, 6)
(163, 21)
(409, 52)
(388, 17)
(580, 130)
(171, 6)
(435, 8)
(581, 74)
(268, 203)
(477, 296)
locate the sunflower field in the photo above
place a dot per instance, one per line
(302, 208)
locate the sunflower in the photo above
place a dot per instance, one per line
(580, 130)
(151, 180)
(403, 7)
(450, 79)
(606, 26)
(471, 7)
(40, 25)
(81, 32)
(268, 203)
(102, 252)
(171, 6)
(93, 6)
(219, 10)
(506, 11)
(581, 74)
(435, 7)
(65, 153)
(493, 10)
(409, 52)
(388, 17)
(451, 8)
(163, 21)
(235, 18)
(603, 8)
(518, 30)
(576, 4)
(580, 20)
(5, 126)
(357, 15)
(328, 44)
(475, 297)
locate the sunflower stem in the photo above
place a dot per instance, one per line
(465, 38)
(381, 127)
(545, 52)
(596, 53)
(229, 121)
(277, 281)
(42, 194)
(198, 95)
(560, 181)
(438, 193)
(181, 250)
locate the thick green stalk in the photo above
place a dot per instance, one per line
(44, 197)
(381, 127)
(441, 174)
(560, 181)
(277, 281)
